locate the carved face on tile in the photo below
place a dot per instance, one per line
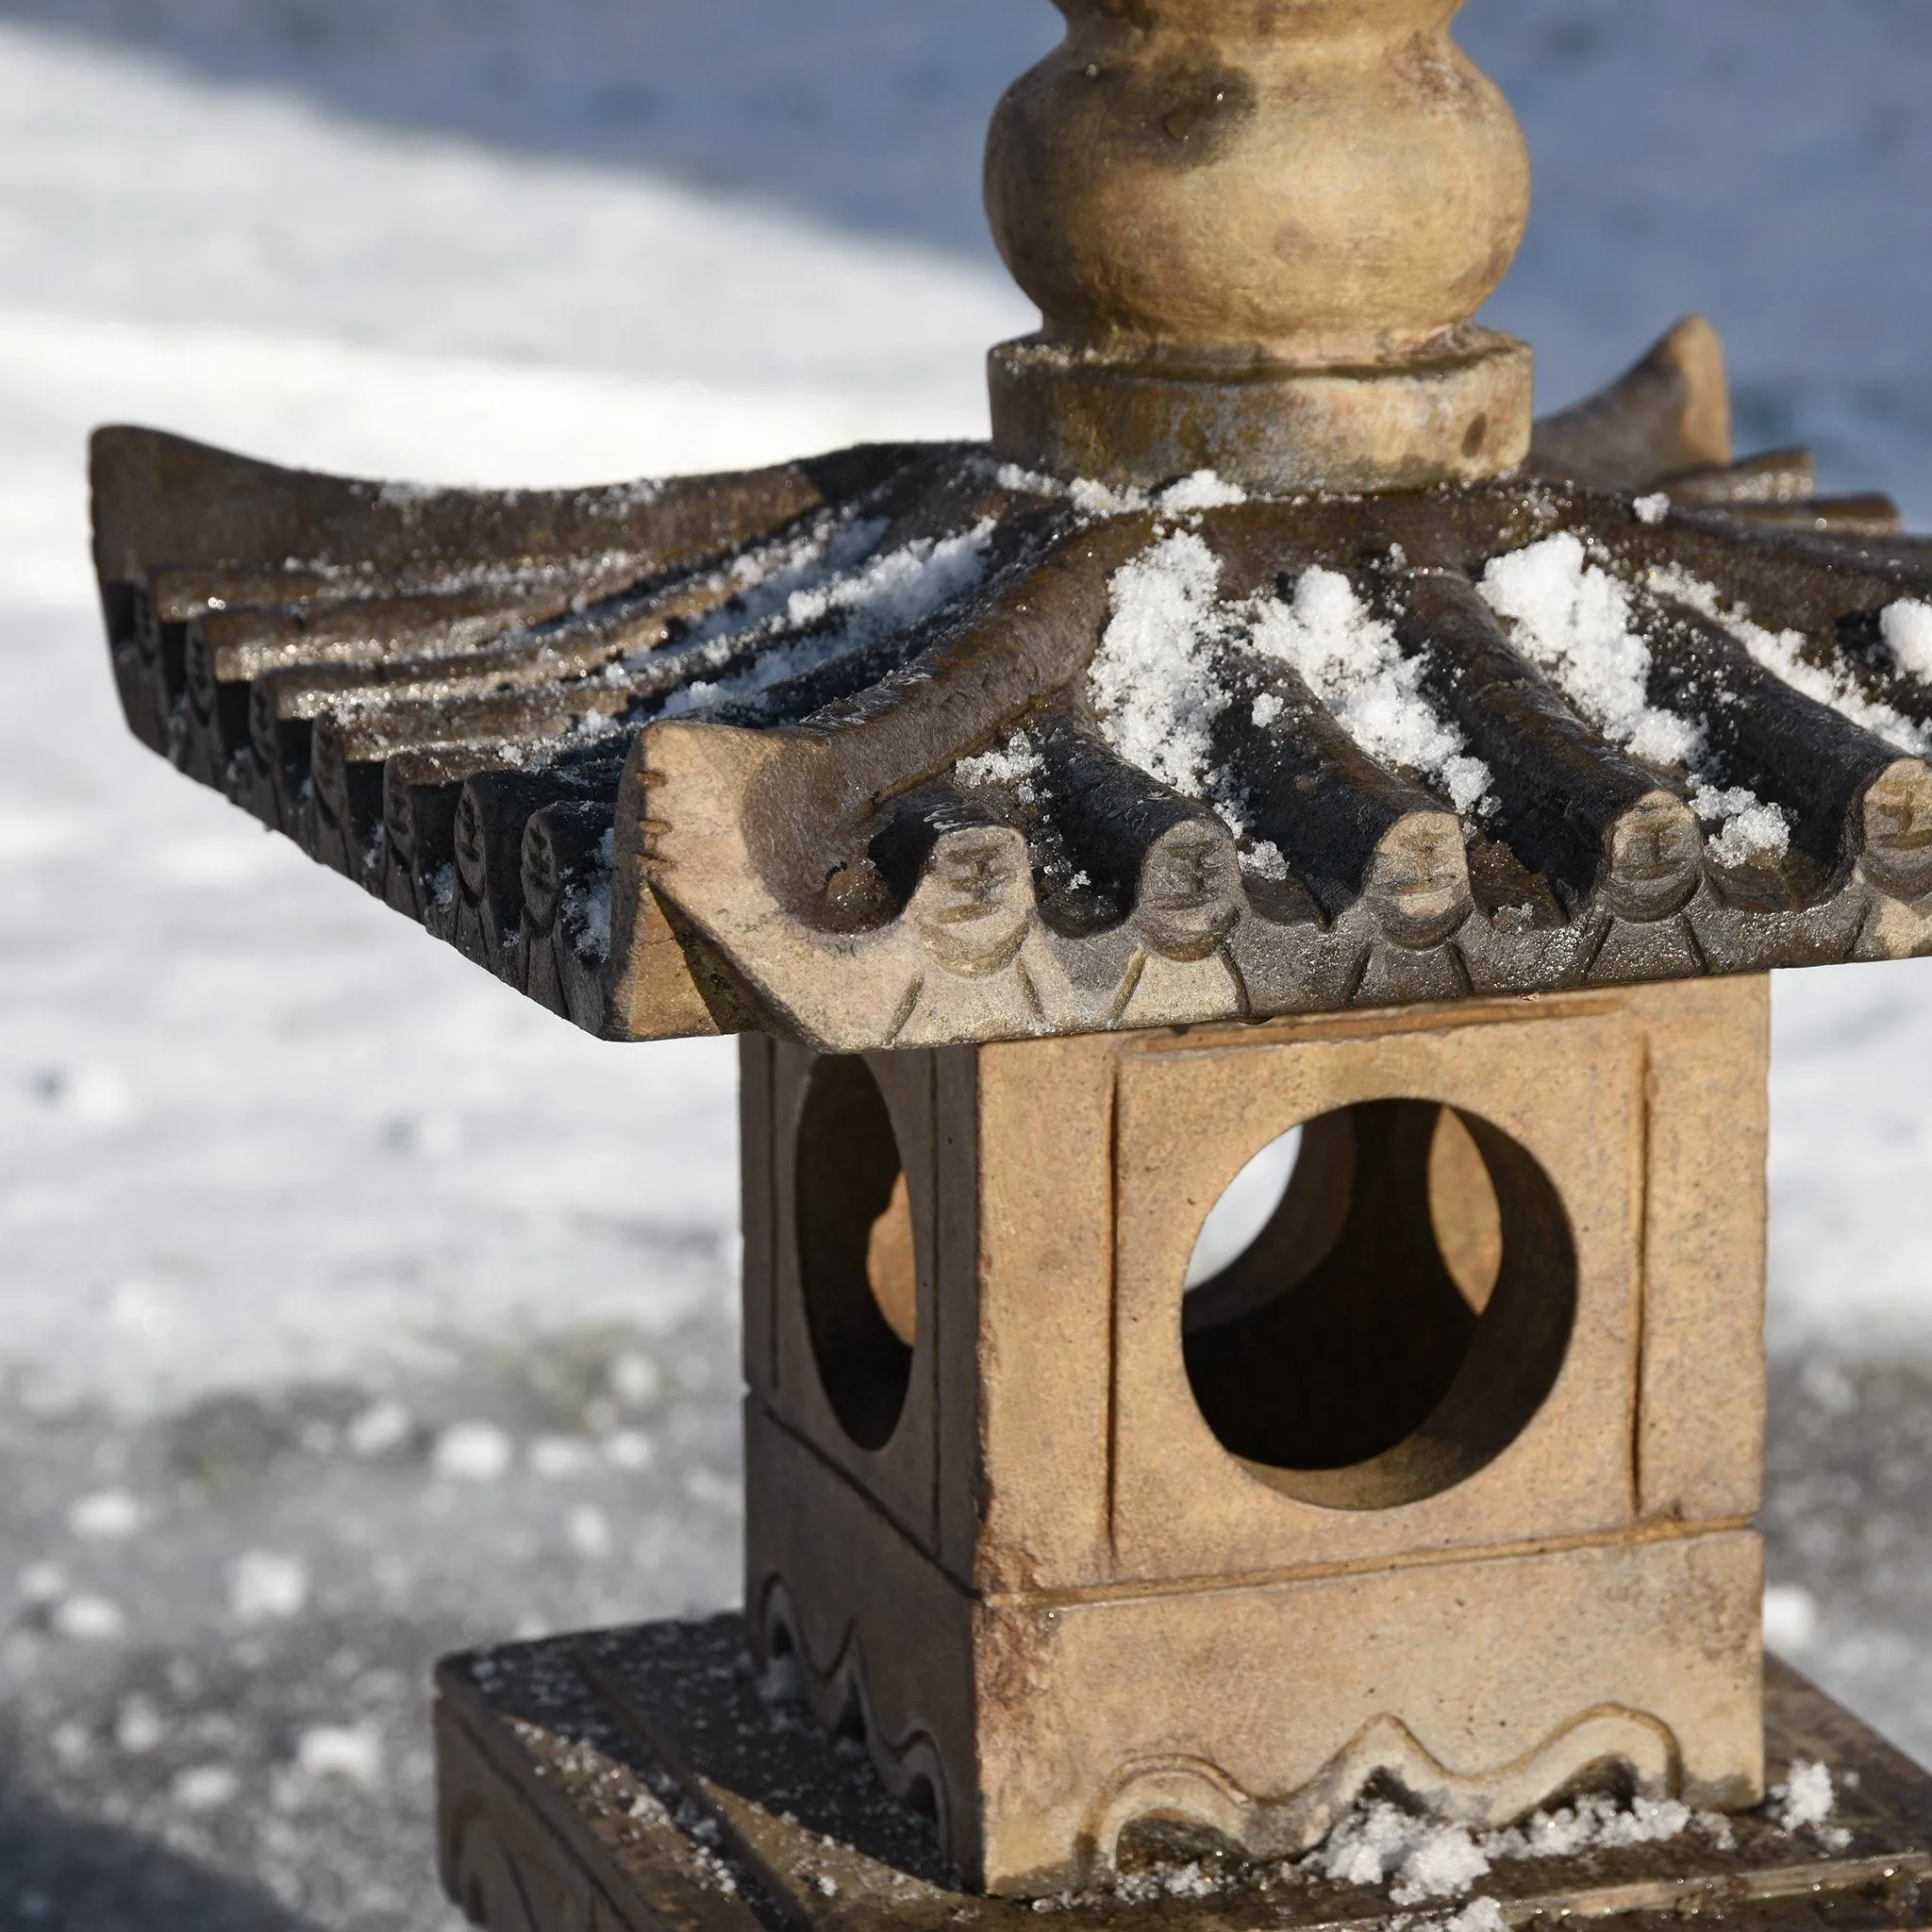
(541, 885)
(1190, 891)
(976, 901)
(1898, 831)
(330, 775)
(1419, 880)
(1657, 860)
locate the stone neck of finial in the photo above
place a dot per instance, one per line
(1224, 20)
(1222, 190)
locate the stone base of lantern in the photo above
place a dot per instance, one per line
(646, 1779)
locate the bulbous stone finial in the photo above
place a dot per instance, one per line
(1258, 231)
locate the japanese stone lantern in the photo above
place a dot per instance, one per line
(1270, 733)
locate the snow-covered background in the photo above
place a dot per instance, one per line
(351, 1310)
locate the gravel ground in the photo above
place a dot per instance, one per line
(1849, 1534)
(214, 1673)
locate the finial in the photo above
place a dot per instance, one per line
(1259, 232)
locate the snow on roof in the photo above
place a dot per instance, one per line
(1031, 733)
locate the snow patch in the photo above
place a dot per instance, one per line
(474, 1453)
(585, 910)
(1379, 1841)
(1016, 763)
(1088, 494)
(776, 586)
(379, 1429)
(106, 1515)
(1790, 1617)
(1420, 1859)
(1152, 679)
(1575, 621)
(352, 1752)
(1026, 482)
(587, 1529)
(267, 1587)
(899, 588)
(558, 1458)
(1748, 829)
(1154, 686)
(1188, 496)
(204, 1786)
(1907, 627)
(85, 1618)
(1593, 1823)
(1782, 653)
(1806, 1798)
(1349, 658)
(1092, 498)
(769, 578)
(1446, 1863)
(1204, 489)
(1191, 1880)
(1654, 509)
(888, 592)
(138, 1727)
(1265, 860)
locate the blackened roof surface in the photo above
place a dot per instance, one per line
(899, 746)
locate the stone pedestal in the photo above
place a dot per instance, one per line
(643, 1781)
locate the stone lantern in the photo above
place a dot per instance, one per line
(1272, 739)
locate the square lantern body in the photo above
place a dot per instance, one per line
(1448, 1479)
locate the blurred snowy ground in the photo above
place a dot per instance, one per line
(355, 1309)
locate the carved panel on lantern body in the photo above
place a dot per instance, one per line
(848, 1319)
(1265, 1711)
(1558, 1103)
(1049, 1428)
(1038, 1724)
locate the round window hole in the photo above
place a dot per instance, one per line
(1379, 1303)
(856, 1261)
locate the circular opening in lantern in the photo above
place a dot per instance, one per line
(856, 1256)
(1379, 1303)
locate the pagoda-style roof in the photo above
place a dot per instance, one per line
(904, 746)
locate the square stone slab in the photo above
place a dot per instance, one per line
(637, 1780)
